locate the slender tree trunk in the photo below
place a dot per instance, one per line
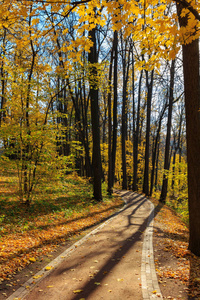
(148, 123)
(136, 136)
(133, 97)
(126, 64)
(109, 189)
(94, 95)
(155, 150)
(157, 163)
(115, 80)
(167, 143)
(3, 99)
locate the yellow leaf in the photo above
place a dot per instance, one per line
(97, 283)
(32, 259)
(48, 268)
(77, 291)
(154, 292)
(37, 276)
(50, 286)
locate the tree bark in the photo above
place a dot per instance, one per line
(109, 189)
(94, 101)
(148, 124)
(167, 143)
(115, 80)
(126, 64)
(192, 108)
(136, 136)
(156, 149)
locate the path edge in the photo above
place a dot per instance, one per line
(149, 280)
(29, 285)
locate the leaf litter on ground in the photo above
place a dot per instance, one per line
(174, 237)
(59, 211)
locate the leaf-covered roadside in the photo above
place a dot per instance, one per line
(60, 210)
(178, 270)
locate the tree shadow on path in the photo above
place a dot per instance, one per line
(127, 244)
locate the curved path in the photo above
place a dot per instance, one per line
(113, 262)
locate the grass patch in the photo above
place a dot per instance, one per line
(59, 210)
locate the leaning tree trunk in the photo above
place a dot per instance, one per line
(155, 149)
(94, 94)
(167, 144)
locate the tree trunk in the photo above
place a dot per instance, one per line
(115, 79)
(167, 144)
(109, 189)
(155, 149)
(94, 95)
(126, 64)
(148, 123)
(136, 136)
(192, 108)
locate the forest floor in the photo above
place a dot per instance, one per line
(31, 245)
(178, 270)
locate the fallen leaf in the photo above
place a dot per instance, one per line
(48, 268)
(97, 283)
(50, 286)
(77, 291)
(37, 276)
(32, 259)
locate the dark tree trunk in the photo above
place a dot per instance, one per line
(126, 64)
(133, 97)
(155, 149)
(136, 136)
(192, 105)
(115, 80)
(167, 143)
(157, 162)
(148, 124)
(192, 108)
(94, 95)
(109, 189)
(2, 72)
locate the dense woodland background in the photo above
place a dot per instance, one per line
(97, 88)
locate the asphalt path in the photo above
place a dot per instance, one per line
(105, 265)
